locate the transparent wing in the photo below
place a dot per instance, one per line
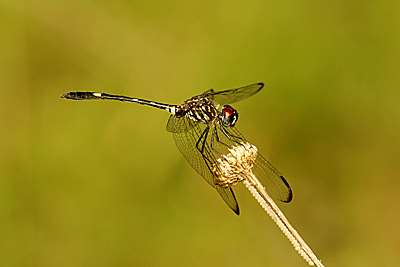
(273, 181)
(178, 125)
(186, 134)
(233, 95)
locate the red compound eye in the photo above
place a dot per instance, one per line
(228, 111)
(229, 116)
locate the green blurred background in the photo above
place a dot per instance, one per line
(102, 183)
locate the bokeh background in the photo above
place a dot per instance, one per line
(101, 183)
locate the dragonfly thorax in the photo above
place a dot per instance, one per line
(198, 109)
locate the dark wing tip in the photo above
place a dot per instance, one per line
(290, 195)
(236, 210)
(234, 207)
(261, 86)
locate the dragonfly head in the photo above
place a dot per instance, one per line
(229, 116)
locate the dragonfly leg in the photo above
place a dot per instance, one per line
(216, 137)
(231, 137)
(202, 140)
(206, 154)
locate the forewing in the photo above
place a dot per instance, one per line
(186, 133)
(273, 181)
(233, 95)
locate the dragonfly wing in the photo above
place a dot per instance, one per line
(178, 125)
(187, 133)
(273, 181)
(233, 95)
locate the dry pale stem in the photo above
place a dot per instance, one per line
(235, 167)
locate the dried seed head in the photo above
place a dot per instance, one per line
(233, 167)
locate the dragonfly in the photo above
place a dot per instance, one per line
(203, 128)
